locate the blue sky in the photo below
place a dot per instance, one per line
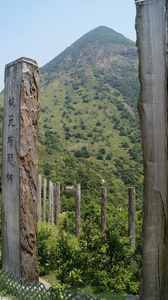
(41, 29)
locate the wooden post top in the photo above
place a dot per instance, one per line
(20, 60)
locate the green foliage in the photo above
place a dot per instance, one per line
(99, 156)
(77, 153)
(43, 256)
(102, 151)
(75, 277)
(90, 134)
(108, 156)
(125, 145)
(118, 163)
(105, 262)
(47, 169)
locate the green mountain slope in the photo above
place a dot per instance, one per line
(89, 126)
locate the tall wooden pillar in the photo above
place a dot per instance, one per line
(39, 199)
(20, 169)
(77, 211)
(57, 201)
(152, 105)
(103, 209)
(44, 199)
(131, 215)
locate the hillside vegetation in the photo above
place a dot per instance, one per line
(89, 133)
(89, 126)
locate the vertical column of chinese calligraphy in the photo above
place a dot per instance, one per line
(20, 169)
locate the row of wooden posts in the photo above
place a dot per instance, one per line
(54, 206)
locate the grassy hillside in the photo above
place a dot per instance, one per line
(89, 126)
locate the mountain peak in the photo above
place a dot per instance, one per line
(106, 34)
(89, 45)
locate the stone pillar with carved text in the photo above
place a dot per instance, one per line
(20, 169)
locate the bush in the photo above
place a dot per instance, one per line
(99, 156)
(85, 153)
(108, 157)
(79, 135)
(90, 134)
(77, 153)
(47, 169)
(104, 261)
(118, 163)
(83, 127)
(125, 145)
(102, 151)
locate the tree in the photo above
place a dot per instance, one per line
(102, 151)
(108, 157)
(77, 153)
(47, 169)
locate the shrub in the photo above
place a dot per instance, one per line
(90, 134)
(118, 163)
(125, 145)
(83, 127)
(47, 169)
(108, 157)
(79, 135)
(85, 153)
(99, 156)
(102, 151)
(67, 136)
(77, 153)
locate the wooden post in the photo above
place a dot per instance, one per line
(49, 202)
(131, 217)
(57, 201)
(39, 199)
(151, 26)
(103, 209)
(52, 204)
(77, 211)
(44, 199)
(20, 169)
